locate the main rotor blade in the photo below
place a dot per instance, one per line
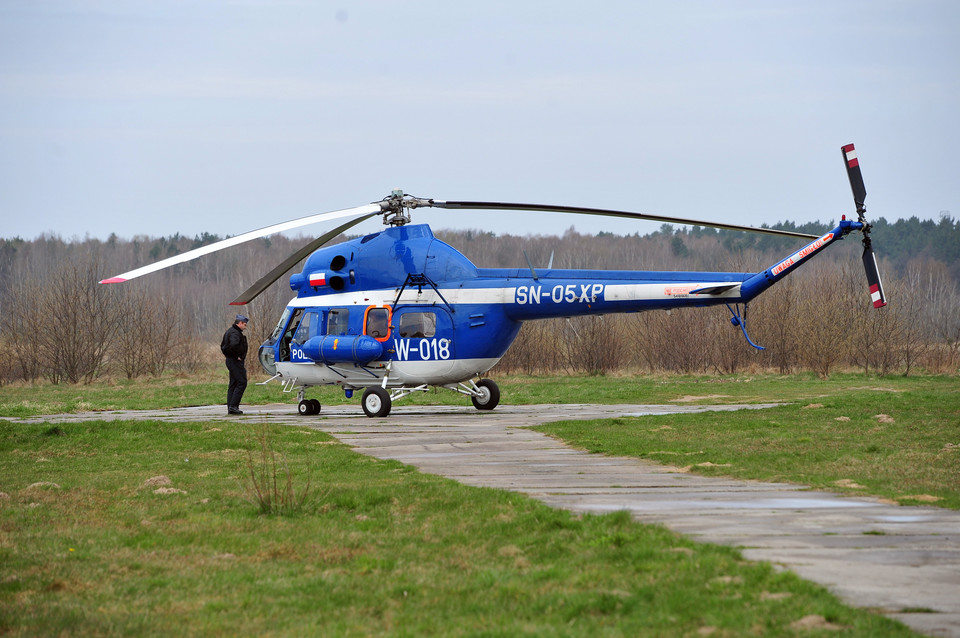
(856, 177)
(549, 208)
(264, 282)
(360, 211)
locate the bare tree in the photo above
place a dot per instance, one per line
(77, 320)
(824, 334)
(129, 351)
(20, 320)
(148, 335)
(594, 345)
(773, 320)
(940, 315)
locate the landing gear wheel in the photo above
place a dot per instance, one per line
(489, 395)
(306, 407)
(315, 405)
(376, 402)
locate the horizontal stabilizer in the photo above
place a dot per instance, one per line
(713, 290)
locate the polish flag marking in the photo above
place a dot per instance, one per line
(318, 279)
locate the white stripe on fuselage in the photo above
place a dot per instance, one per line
(508, 295)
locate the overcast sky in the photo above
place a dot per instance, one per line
(151, 118)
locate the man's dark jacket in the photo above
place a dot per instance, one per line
(234, 343)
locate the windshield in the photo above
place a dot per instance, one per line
(280, 325)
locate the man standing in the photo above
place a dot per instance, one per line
(234, 348)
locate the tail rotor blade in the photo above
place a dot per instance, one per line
(856, 177)
(873, 275)
(859, 194)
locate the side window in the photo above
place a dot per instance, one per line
(417, 325)
(308, 327)
(376, 323)
(337, 321)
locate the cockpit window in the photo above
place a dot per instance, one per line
(281, 325)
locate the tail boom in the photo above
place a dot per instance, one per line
(763, 280)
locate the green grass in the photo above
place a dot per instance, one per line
(914, 459)
(209, 387)
(376, 548)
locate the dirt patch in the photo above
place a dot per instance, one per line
(780, 595)
(703, 397)
(42, 485)
(923, 498)
(686, 469)
(814, 621)
(156, 481)
(849, 483)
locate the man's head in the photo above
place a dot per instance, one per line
(241, 322)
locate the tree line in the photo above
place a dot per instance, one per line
(57, 323)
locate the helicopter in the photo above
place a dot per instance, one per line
(399, 311)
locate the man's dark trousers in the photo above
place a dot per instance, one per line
(238, 383)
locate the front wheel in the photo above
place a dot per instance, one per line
(489, 396)
(308, 407)
(376, 402)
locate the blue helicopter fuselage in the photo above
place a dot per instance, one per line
(400, 307)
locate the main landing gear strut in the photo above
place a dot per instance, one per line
(377, 401)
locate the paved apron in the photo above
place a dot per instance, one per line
(874, 554)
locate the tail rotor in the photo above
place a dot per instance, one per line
(859, 195)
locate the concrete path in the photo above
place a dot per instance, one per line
(902, 561)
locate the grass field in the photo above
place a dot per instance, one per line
(147, 528)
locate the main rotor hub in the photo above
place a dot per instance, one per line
(397, 206)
